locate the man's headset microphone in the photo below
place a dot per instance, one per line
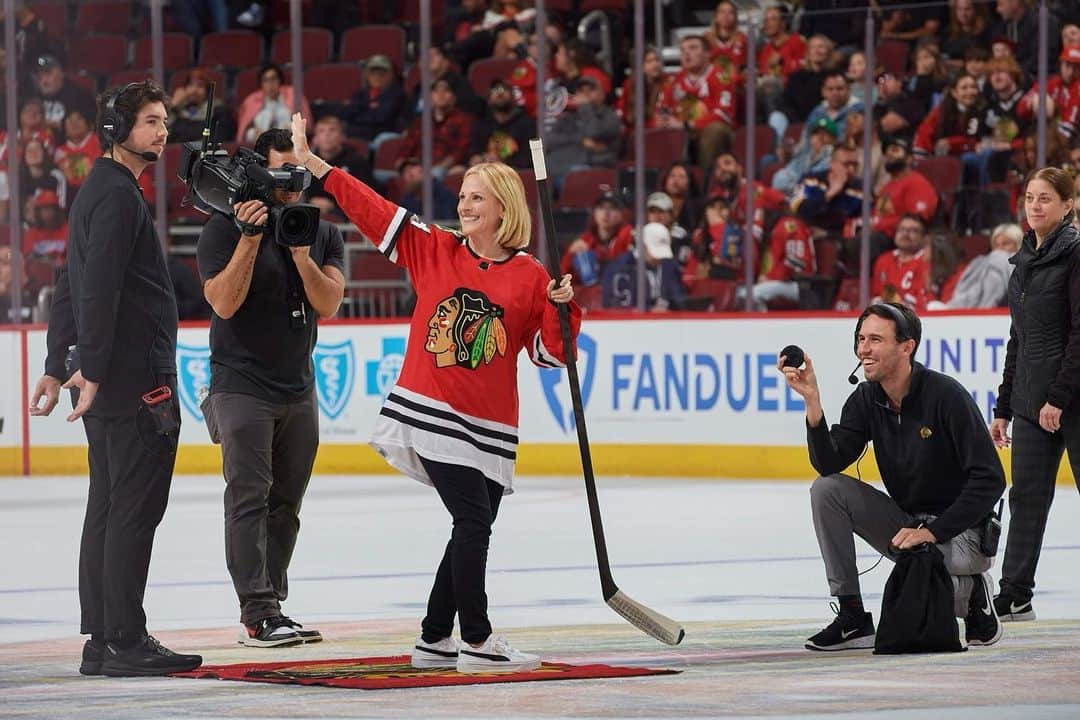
(116, 128)
(794, 356)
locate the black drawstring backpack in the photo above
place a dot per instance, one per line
(917, 614)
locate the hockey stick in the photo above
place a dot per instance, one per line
(649, 621)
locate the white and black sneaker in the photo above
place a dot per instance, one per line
(981, 626)
(271, 632)
(495, 655)
(442, 654)
(849, 631)
(1009, 609)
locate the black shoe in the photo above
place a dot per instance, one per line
(278, 631)
(981, 624)
(93, 652)
(307, 636)
(147, 657)
(1009, 609)
(846, 632)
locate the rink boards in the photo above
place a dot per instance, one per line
(681, 395)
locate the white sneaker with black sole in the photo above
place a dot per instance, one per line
(442, 654)
(495, 655)
(270, 632)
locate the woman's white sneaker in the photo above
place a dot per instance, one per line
(495, 655)
(442, 654)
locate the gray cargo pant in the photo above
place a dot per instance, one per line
(844, 507)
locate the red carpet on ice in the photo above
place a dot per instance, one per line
(382, 673)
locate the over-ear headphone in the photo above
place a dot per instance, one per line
(115, 127)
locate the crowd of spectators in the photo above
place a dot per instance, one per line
(952, 110)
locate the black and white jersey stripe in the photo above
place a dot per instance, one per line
(439, 418)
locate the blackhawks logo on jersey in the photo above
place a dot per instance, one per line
(465, 330)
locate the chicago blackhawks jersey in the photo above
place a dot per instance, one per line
(456, 398)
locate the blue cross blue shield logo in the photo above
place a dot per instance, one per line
(335, 373)
(383, 373)
(193, 376)
(558, 400)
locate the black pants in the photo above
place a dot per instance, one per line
(1036, 456)
(268, 451)
(130, 474)
(473, 502)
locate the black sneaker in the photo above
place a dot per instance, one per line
(276, 631)
(307, 636)
(147, 657)
(93, 653)
(981, 626)
(1009, 609)
(846, 632)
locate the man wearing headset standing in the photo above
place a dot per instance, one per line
(112, 336)
(937, 463)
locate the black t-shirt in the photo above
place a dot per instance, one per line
(258, 351)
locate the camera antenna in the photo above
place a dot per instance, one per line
(209, 116)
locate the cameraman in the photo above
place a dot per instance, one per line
(937, 463)
(261, 406)
(114, 317)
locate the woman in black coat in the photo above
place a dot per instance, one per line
(1041, 381)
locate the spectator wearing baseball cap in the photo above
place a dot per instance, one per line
(607, 236)
(57, 93)
(663, 284)
(660, 208)
(502, 134)
(376, 108)
(47, 235)
(823, 135)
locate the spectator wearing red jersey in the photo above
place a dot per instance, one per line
(903, 275)
(47, 235)
(1063, 93)
(728, 46)
(957, 124)
(607, 236)
(523, 77)
(780, 54)
(700, 100)
(907, 192)
(76, 155)
(791, 253)
(451, 130)
(656, 80)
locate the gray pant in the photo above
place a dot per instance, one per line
(844, 507)
(268, 451)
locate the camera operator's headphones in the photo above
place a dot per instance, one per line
(903, 327)
(115, 127)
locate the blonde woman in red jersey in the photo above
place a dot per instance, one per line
(451, 419)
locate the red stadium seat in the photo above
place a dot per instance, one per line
(99, 54)
(317, 46)
(231, 49)
(101, 17)
(123, 77)
(482, 72)
(974, 245)
(764, 143)
(55, 16)
(177, 49)
(663, 146)
(87, 82)
(388, 154)
(360, 43)
(945, 173)
(335, 82)
(892, 55)
(581, 188)
(722, 293)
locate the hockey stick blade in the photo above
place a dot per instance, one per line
(647, 620)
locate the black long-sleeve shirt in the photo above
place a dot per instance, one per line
(114, 299)
(935, 455)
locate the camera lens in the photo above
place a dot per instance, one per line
(297, 225)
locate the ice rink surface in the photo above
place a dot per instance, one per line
(735, 561)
